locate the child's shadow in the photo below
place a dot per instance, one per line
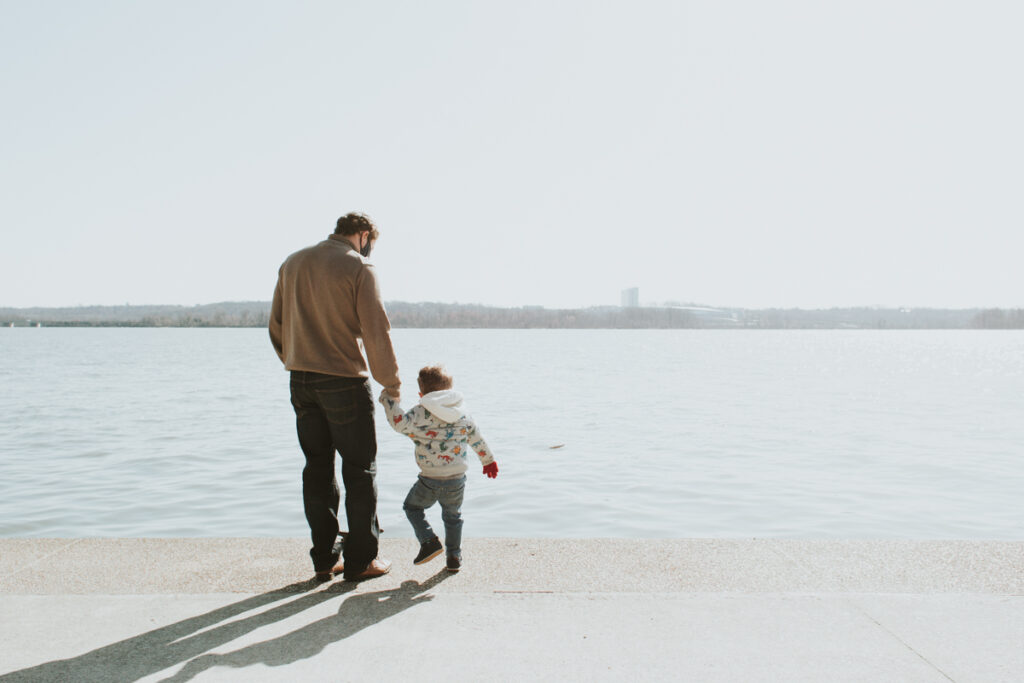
(354, 614)
(190, 639)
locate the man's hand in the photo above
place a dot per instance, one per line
(491, 470)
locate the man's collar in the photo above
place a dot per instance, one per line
(342, 238)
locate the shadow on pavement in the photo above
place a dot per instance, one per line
(191, 640)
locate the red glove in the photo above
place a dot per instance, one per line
(491, 470)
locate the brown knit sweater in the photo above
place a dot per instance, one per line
(327, 308)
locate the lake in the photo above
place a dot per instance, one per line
(598, 433)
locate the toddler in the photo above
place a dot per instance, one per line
(443, 434)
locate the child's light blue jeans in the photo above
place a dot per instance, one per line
(448, 492)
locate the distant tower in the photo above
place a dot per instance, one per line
(631, 297)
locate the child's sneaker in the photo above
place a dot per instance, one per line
(429, 551)
(454, 563)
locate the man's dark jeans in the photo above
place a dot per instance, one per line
(336, 414)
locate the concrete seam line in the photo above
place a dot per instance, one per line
(805, 570)
(900, 640)
(40, 559)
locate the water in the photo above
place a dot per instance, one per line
(663, 433)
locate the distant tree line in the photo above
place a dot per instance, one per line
(438, 315)
(860, 318)
(225, 314)
(998, 319)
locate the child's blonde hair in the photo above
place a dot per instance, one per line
(434, 378)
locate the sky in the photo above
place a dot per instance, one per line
(751, 154)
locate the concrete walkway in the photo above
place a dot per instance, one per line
(521, 609)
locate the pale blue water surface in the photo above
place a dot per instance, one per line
(682, 433)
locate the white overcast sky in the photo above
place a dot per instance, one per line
(752, 154)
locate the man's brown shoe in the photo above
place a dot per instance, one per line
(377, 568)
(328, 574)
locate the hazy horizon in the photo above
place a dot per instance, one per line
(742, 155)
(643, 304)
(653, 304)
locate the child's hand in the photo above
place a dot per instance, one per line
(491, 470)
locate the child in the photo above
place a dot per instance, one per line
(443, 434)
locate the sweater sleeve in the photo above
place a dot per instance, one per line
(276, 322)
(399, 421)
(375, 329)
(479, 446)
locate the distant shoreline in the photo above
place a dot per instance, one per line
(475, 316)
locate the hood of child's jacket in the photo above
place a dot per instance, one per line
(445, 404)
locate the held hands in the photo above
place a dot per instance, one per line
(491, 470)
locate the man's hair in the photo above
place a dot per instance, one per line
(434, 378)
(353, 223)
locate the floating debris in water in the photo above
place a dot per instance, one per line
(559, 445)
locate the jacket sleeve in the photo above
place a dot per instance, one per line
(399, 421)
(479, 446)
(276, 323)
(375, 329)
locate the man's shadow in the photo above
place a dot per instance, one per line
(354, 614)
(191, 640)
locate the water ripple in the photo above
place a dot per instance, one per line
(661, 433)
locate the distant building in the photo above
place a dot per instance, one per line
(631, 297)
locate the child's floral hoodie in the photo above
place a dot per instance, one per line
(442, 431)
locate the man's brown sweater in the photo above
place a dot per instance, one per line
(326, 308)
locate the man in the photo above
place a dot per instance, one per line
(326, 311)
